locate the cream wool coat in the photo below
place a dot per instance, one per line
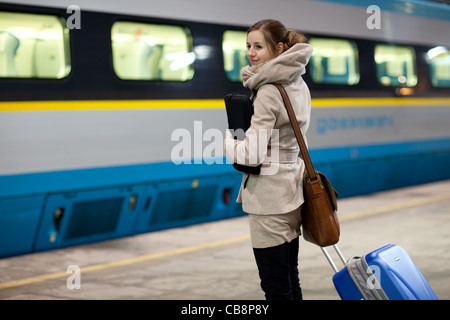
(278, 189)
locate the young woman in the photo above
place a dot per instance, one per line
(273, 199)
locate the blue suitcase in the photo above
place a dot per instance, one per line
(387, 273)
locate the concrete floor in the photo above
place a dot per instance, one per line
(214, 261)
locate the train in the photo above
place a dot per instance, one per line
(112, 113)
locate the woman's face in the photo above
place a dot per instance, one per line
(257, 49)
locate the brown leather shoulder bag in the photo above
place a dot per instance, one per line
(320, 224)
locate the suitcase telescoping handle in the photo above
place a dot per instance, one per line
(330, 260)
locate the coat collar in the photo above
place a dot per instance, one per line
(287, 67)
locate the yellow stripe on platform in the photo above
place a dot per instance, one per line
(120, 263)
(395, 206)
(94, 105)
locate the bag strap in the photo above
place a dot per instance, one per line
(297, 131)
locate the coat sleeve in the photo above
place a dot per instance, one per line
(253, 149)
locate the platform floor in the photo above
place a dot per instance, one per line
(214, 261)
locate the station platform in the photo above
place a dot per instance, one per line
(214, 261)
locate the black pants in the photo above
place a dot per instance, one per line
(278, 271)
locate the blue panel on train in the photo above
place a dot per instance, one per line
(72, 218)
(188, 201)
(19, 220)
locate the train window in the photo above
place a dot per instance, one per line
(234, 54)
(33, 46)
(334, 61)
(395, 65)
(143, 51)
(439, 60)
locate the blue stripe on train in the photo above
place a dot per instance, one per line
(425, 9)
(43, 211)
(58, 181)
